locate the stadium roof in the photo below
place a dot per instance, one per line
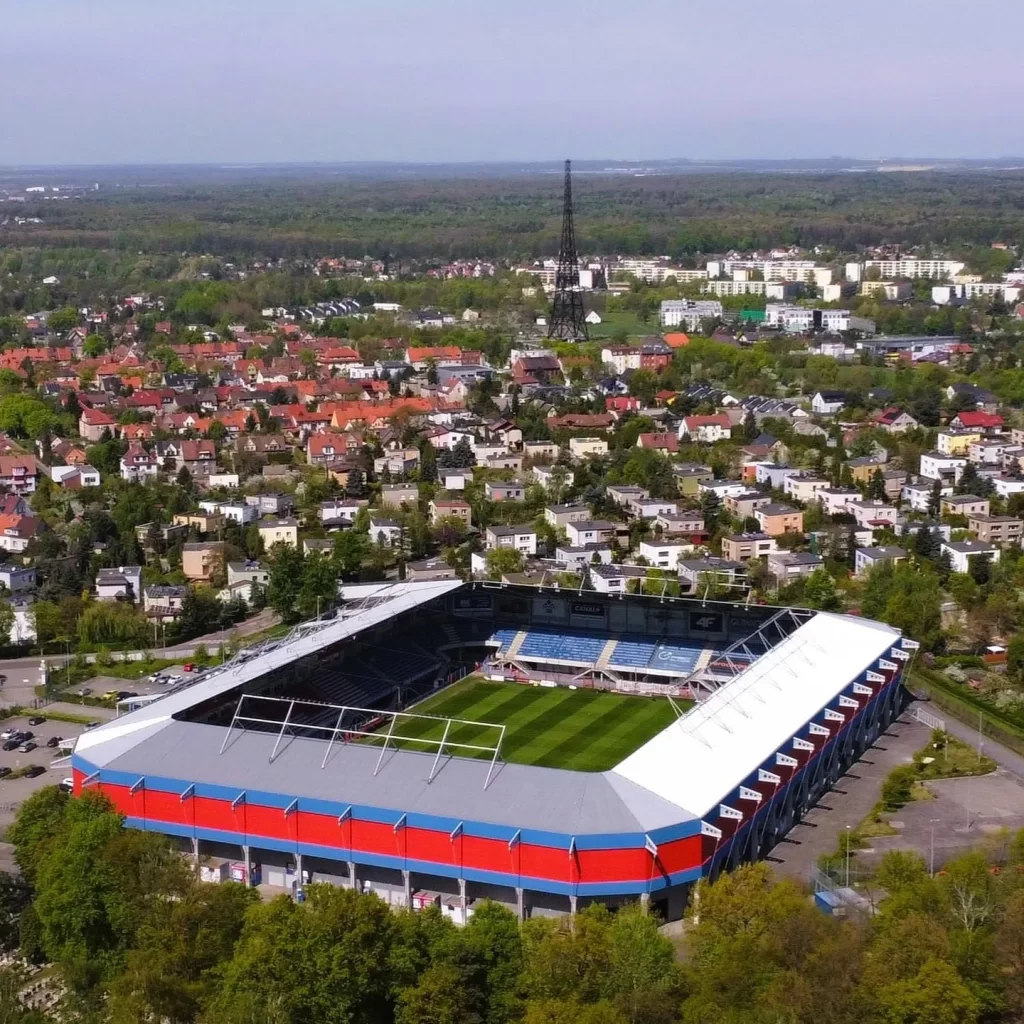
(707, 753)
(679, 775)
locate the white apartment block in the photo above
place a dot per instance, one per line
(804, 488)
(834, 499)
(773, 270)
(726, 287)
(655, 270)
(937, 466)
(689, 313)
(801, 318)
(917, 496)
(943, 294)
(913, 268)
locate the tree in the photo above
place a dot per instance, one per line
(328, 959)
(459, 457)
(750, 428)
(350, 548)
(502, 561)
(935, 995)
(642, 973)
(876, 488)
(1015, 657)
(820, 591)
(319, 589)
(285, 584)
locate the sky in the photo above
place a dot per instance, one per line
(215, 81)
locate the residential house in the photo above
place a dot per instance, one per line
(979, 397)
(455, 479)
(519, 538)
(92, 423)
(163, 603)
(121, 584)
(17, 578)
(991, 451)
(385, 531)
(139, 465)
(326, 447)
(623, 494)
(576, 559)
(562, 515)
(917, 496)
(689, 476)
(397, 495)
(742, 547)
(999, 530)
(956, 442)
(667, 443)
(828, 403)
(698, 573)
(279, 531)
(540, 450)
(504, 490)
(590, 531)
(986, 422)
(651, 508)
(865, 559)
(451, 508)
(506, 460)
(556, 476)
(777, 519)
(937, 466)
(19, 474)
(681, 524)
(706, 429)
(240, 512)
(17, 532)
(430, 569)
(744, 504)
(664, 554)
(614, 579)
(895, 420)
(722, 488)
(964, 505)
(203, 521)
(201, 562)
(74, 478)
(767, 474)
(962, 551)
(863, 470)
(787, 566)
(271, 504)
(398, 463)
(341, 511)
(248, 572)
(581, 447)
(804, 488)
(872, 514)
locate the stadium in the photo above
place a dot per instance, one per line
(540, 747)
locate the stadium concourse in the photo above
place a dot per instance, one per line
(338, 753)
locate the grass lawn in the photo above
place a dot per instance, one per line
(584, 730)
(623, 320)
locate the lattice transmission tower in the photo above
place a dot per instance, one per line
(567, 320)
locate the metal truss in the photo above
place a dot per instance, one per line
(352, 721)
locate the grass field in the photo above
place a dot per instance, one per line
(585, 730)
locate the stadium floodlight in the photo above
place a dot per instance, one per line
(365, 723)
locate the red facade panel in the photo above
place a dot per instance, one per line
(681, 854)
(614, 865)
(545, 862)
(436, 847)
(490, 855)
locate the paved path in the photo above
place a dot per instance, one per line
(856, 793)
(1006, 758)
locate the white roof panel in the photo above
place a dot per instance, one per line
(703, 756)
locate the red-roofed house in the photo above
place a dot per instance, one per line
(658, 442)
(93, 422)
(988, 422)
(706, 428)
(895, 421)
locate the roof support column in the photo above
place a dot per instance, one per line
(520, 905)
(407, 883)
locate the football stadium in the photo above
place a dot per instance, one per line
(540, 747)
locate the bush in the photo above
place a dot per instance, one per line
(896, 789)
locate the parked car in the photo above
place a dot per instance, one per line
(4, 772)
(85, 691)
(34, 771)
(91, 725)
(12, 744)
(28, 746)
(37, 720)
(188, 667)
(53, 741)
(26, 734)
(126, 694)
(66, 785)
(8, 734)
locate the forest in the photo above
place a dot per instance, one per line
(517, 217)
(133, 936)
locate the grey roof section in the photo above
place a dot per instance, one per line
(518, 796)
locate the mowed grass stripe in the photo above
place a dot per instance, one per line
(618, 733)
(553, 718)
(583, 730)
(560, 729)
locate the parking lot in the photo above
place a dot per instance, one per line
(13, 791)
(99, 686)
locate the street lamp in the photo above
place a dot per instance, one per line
(848, 835)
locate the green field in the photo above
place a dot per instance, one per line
(585, 730)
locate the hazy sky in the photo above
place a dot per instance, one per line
(107, 81)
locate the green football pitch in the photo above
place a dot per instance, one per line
(555, 727)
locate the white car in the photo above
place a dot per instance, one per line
(66, 785)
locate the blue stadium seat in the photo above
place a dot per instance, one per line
(632, 653)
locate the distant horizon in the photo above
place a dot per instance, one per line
(212, 82)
